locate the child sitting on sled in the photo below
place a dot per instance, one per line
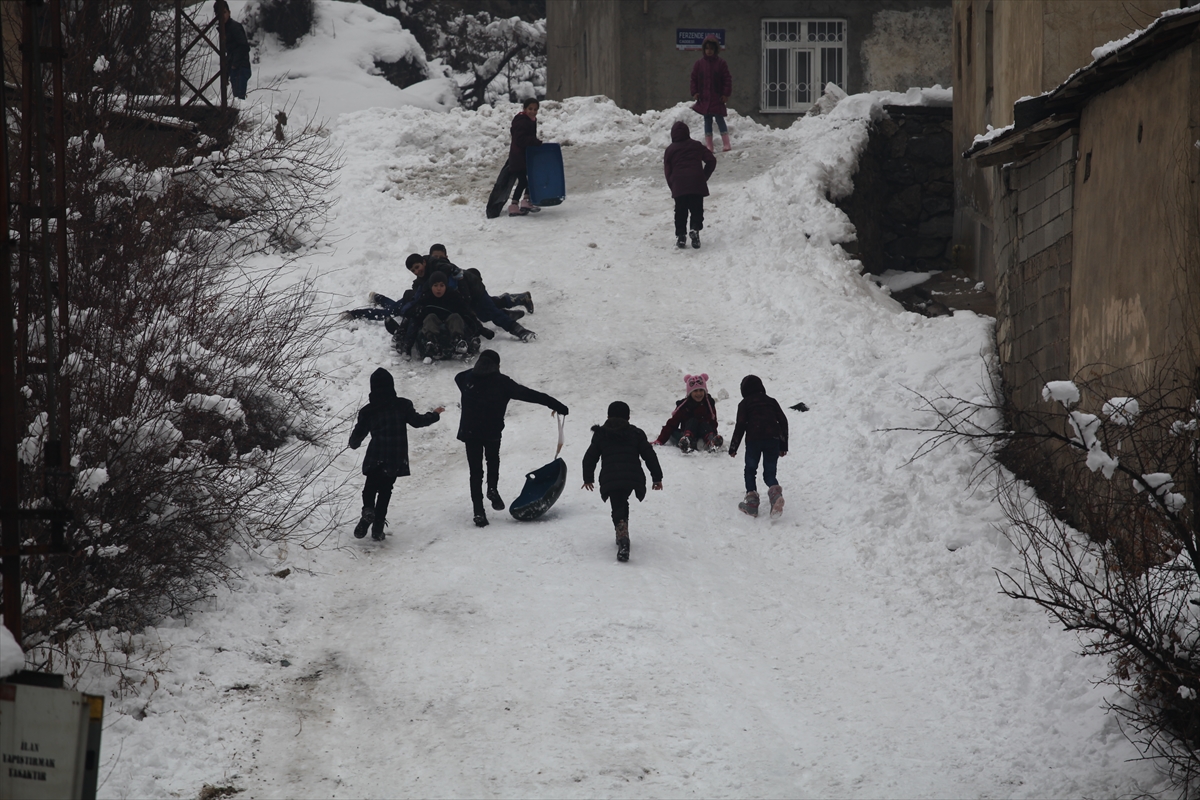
(693, 425)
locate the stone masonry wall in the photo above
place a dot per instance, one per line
(1033, 243)
(903, 201)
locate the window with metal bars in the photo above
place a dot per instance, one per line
(800, 56)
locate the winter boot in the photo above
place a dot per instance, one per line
(527, 206)
(522, 299)
(516, 211)
(681, 242)
(481, 520)
(685, 443)
(750, 504)
(623, 540)
(377, 529)
(524, 334)
(708, 142)
(364, 522)
(695, 239)
(775, 498)
(725, 145)
(515, 314)
(459, 345)
(494, 496)
(714, 441)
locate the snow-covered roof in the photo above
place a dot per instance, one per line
(1112, 64)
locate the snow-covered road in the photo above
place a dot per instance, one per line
(857, 647)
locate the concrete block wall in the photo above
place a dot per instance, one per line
(1033, 246)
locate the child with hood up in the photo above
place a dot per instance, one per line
(688, 165)
(620, 448)
(694, 420)
(384, 418)
(761, 421)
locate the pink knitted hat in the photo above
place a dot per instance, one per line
(695, 382)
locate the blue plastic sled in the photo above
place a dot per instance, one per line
(544, 167)
(542, 488)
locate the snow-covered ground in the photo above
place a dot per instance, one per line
(856, 647)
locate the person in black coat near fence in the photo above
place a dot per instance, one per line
(687, 165)
(761, 421)
(237, 50)
(620, 448)
(486, 393)
(384, 418)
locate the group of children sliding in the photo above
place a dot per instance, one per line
(617, 446)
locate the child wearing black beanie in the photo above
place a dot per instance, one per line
(620, 448)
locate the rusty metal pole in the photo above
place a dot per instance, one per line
(178, 54)
(59, 488)
(10, 526)
(224, 61)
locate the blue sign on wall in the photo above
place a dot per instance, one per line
(693, 38)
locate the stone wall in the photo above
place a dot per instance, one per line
(1034, 207)
(903, 201)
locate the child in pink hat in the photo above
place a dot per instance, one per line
(693, 425)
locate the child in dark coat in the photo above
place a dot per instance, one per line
(688, 165)
(486, 392)
(384, 417)
(761, 421)
(695, 418)
(620, 447)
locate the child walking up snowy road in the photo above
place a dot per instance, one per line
(620, 447)
(688, 165)
(761, 421)
(384, 418)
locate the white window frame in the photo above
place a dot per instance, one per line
(807, 54)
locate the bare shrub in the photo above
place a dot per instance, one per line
(1114, 555)
(490, 57)
(190, 354)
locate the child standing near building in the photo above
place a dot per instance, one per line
(384, 417)
(761, 421)
(620, 448)
(688, 165)
(694, 420)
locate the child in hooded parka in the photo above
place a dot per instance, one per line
(384, 418)
(694, 420)
(760, 419)
(620, 448)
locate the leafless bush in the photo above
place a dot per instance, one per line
(490, 57)
(1114, 555)
(189, 366)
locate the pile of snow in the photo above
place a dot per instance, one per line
(12, 659)
(332, 71)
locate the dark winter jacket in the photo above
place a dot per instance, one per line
(384, 417)
(237, 46)
(485, 395)
(451, 302)
(758, 416)
(524, 134)
(620, 448)
(687, 163)
(712, 81)
(686, 409)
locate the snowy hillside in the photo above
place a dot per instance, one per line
(856, 647)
